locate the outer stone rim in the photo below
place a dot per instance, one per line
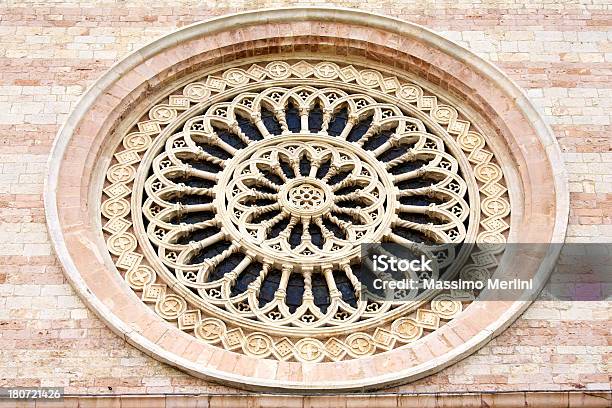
(73, 239)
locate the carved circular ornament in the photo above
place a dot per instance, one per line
(253, 205)
(221, 224)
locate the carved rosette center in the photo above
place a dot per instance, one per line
(305, 197)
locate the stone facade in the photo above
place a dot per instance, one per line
(559, 53)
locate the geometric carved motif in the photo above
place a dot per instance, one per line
(238, 206)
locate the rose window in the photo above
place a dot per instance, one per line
(247, 207)
(212, 197)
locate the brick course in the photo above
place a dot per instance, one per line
(49, 54)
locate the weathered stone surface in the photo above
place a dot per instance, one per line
(48, 55)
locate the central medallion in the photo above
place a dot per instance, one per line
(306, 197)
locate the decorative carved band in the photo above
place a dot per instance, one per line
(238, 207)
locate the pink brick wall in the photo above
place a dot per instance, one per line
(49, 53)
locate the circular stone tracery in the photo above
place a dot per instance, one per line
(234, 327)
(220, 226)
(330, 190)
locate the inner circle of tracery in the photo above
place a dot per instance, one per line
(238, 207)
(306, 200)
